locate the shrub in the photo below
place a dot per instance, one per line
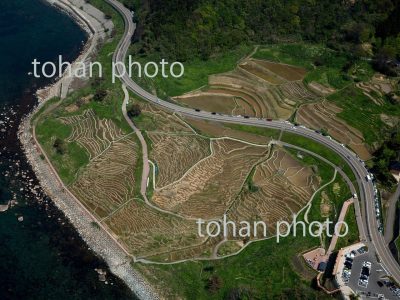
(134, 111)
(100, 95)
(59, 146)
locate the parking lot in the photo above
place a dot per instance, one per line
(374, 285)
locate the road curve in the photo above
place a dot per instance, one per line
(391, 215)
(373, 238)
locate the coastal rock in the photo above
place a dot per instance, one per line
(4, 207)
(102, 275)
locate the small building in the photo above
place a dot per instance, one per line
(321, 266)
(396, 174)
(395, 170)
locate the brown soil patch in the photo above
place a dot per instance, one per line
(326, 205)
(72, 108)
(255, 68)
(215, 129)
(291, 73)
(223, 103)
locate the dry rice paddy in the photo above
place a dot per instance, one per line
(196, 176)
(91, 133)
(210, 186)
(175, 155)
(255, 88)
(282, 187)
(147, 232)
(323, 116)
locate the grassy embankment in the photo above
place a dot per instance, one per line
(271, 133)
(397, 239)
(264, 269)
(195, 75)
(328, 202)
(324, 65)
(317, 148)
(353, 234)
(367, 117)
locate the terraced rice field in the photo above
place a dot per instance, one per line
(216, 129)
(376, 88)
(147, 233)
(154, 119)
(196, 177)
(210, 186)
(174, 155)
(283, 187)
(106, 186)
(283, 71)
(323, 116)
(91, 133)
(255, 88)
(109, 180)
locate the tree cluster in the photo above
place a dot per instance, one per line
(100, 95)
(134, 111)
(59, 146)
(183, 29)
(384, 157)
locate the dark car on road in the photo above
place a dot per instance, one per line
(365, 271)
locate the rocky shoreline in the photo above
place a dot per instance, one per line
(104, 245)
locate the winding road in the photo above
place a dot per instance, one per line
(391, 215)
(368, 226)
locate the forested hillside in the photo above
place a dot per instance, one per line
(183, 29)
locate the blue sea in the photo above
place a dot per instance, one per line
(41, 255)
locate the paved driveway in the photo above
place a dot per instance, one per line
(376, 274)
